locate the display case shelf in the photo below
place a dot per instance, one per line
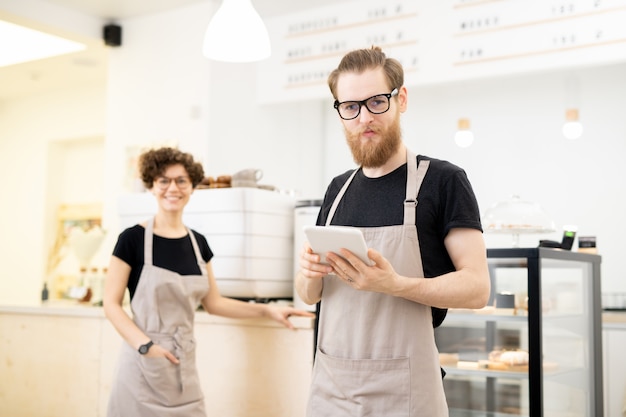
(517, 375)
(473, 413)
(556, 323)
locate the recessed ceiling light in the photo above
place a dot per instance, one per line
(28, 44)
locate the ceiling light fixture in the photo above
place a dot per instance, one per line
(236, 33)
(29, 45)
(572, 128)
(463, 136)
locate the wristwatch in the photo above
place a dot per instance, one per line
(143, 349)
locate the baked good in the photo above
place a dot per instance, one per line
(514, 357)
(448, 358)
(222, 181)
(513, 360)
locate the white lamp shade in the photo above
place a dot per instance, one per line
(464, 136)
(572, 130)
(236, 33)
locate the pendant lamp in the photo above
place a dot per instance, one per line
(572, 129)
(236, 33)
(464, 136)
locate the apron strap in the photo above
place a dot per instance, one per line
(196, 249)
(414, 180)
(333, 208)
(147, 245)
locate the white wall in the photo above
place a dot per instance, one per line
(27, 128)
(161, 89)
(158, 94)
(284, 140)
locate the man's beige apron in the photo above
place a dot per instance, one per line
(376, 354)
(163, 306)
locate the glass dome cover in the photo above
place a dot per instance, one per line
(517, 216)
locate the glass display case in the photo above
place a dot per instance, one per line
(536, 349)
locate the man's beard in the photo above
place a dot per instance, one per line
(370, 154)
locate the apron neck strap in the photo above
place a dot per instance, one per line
(414, 177)
(147, 245)
(333, 208)
(196, 249)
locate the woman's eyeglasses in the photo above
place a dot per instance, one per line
(163, 183)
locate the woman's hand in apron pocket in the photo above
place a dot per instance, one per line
(379, 277)
(158, 351)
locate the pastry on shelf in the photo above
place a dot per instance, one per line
(448, 358)
(512, 360)
(222, 181)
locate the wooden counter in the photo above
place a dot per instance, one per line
(615, 319)
(58, 360)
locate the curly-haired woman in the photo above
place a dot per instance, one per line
(167, 270)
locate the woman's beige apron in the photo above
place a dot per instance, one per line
(163, 307)
(376, 354)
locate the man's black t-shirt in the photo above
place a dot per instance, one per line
(445, 201)
(172, 254)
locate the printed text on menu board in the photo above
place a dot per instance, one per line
(442, 41)
(307, 46)
(507, 36)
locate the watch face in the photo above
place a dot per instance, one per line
(143, 349)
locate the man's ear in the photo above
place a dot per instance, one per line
(402, 98)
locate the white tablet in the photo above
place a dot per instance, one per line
(324, 239)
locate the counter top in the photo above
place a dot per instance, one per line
(614, 320)
(72, 308)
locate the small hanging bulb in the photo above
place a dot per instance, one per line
(572, 128)
(464, 136)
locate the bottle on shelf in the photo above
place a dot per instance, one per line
(45, 294)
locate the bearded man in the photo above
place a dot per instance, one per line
(376, 353)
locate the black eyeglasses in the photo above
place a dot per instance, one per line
(377, 104)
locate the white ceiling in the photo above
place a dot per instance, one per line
(122, 9)
(90, 66)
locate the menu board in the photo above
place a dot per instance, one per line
(441, 41)
(307, 46)
(511, 36)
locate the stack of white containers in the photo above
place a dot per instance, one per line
(250, 231)
(305, 215)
